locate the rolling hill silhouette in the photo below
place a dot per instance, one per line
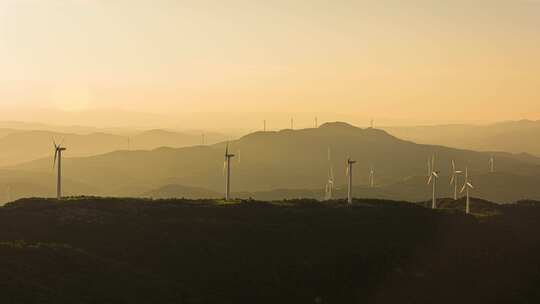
(287, 159)
(20, 146)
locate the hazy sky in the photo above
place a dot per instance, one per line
(414, 61)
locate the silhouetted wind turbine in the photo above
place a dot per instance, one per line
(433, 176)
(58, 149)
(467, 185)
(349, 174)
(454, 179)
(227, 166)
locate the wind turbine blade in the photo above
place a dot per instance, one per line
(55, 156)
(429, 179)
(470, 185)
(463, 188)
(453, 166)
(435, 174)
(452, 179)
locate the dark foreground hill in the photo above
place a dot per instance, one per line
(141, 251)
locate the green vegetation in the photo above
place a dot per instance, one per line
(97, 250)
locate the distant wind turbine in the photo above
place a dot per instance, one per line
(372, 123)
(264, 125)
(492, 164)
(8, 193)
(330, 184)
(433, 176)
(329, 190)
(467, 185)
(316, 122)
(371, 177)
(227, 167)
(349, 174)
(454, 179)
(58, 149)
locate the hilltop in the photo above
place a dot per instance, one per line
(100, 250)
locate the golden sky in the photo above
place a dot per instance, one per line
(414, 61)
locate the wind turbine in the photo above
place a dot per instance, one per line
(58, 149)
(8, 193)
(330, 184)
(491, 164)
(349, 174)
(371, 177)
(467, 185)
(264, 125)
(433, 176)
(227, 167)
(454, 179)
(316, 122)
(329, 191)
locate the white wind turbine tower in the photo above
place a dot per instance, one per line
(58, 149)
(371, 177)
(329, 190)
(227, 167)
(492, 164)
(454, 179)
(349, 174)
(433, 176)
(330, 184)
(467, 185)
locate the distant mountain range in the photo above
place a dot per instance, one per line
(513, 136)
(20, 146)
(293, 160)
